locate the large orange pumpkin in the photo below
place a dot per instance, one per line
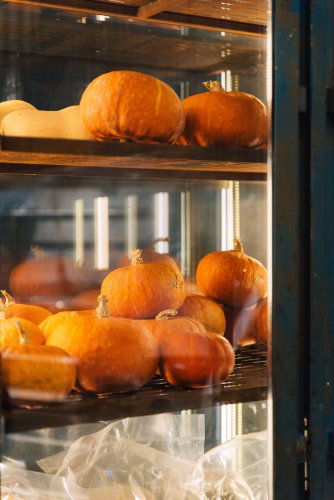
(132, 106)
(196, 359)
(221, 118)
(206, 311)
(114, 354)
(232, 277)
(142, 290)
(168, 322)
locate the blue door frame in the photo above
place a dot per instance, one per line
(303, 249)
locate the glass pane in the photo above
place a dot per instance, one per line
(109, 221)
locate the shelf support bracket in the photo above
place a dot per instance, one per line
(155, 7)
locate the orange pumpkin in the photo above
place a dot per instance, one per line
(149, 254)
(48, 325)
(221, 118)
(46, 279)
(33, 313)
(142, 290)
(196, 359)
(168, 322)
(261, 325)
(11, 330)
(85, 300)
(37, 372)
(232, 277)
(206, 311)
(114, 354)
(132, 106)
(240, 325)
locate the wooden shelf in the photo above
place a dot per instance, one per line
(247, 383)
(129, 160)
(240, 16)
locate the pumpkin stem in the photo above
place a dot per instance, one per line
(213, 86)
(37, 252)
(8, 298)
(238, 245)
(136, 257)
(166, 314)
(2, 310)
(23, 335)
(103, 311)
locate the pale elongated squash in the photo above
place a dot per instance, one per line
(7, 107)
(63, 124)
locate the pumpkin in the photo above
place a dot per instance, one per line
(149, 254)
(232, 277)
(46, 279)
(195, 359)
(7, 107)
(132, 106)
(261, 325)
(206, 311)
(37, 372)
(221, 118)
(240, 325)
(142, 290)
(114, 354)
(10, 329)
(48, 324)
(63, 124)
(167, 322)
(33, 313)
(85, 300)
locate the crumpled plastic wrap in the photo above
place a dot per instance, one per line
(159, 457)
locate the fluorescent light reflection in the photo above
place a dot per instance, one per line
(185, 234)
(101, 230)
(161, 221)
(79, 236)
(226, 217)
(131, 223)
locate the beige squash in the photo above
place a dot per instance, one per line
(63, 124)
(7, 107)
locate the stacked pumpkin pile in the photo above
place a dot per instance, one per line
(132, 106)
(145, 323)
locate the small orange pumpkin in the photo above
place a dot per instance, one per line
(149, 254)
(232, 277)
(142, 290)
(114, 354)
(261, 325)
(168, 322)
(36, 314)
(49, 324)
(132, 106)
(240, 325)
(196, 359)
(37, 372)
(206, 311)
(11, 328)
(85, 300)
(221, 118)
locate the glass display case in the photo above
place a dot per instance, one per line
(74, 206)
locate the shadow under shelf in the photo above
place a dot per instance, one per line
(248, 382)
(60, 157)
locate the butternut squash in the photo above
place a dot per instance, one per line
(7, 107)
(63, 124)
